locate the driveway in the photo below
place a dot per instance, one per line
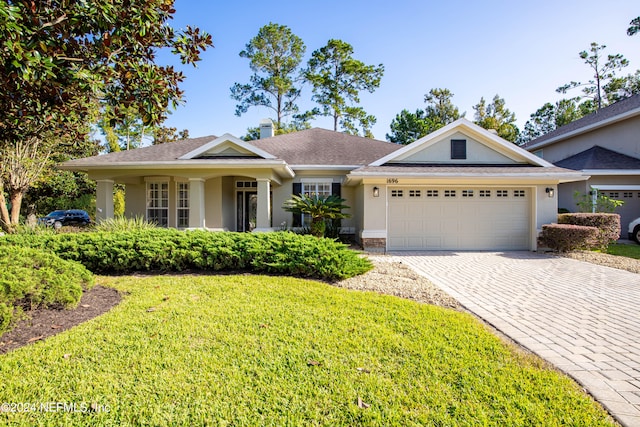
(581, 317)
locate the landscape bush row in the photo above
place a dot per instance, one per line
(581, 231)
(167, 250)
(33, 278)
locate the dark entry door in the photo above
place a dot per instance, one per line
(247, 209)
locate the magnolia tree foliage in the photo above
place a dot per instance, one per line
(337, 80)
(60, 61)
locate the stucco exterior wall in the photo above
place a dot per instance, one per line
(622, 137)
(135, 200)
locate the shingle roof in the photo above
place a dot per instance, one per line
(307, 147)
(161, 152)
(324, 147)
(460, 170)
(598, 157)
(603, 115)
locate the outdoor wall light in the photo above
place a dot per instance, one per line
(549, 191)
(376, 192)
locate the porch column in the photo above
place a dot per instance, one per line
(196, 203)
(263, 220)
(104, 199)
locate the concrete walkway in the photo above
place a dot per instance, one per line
(582, 318)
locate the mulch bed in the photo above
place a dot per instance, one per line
(43, 323)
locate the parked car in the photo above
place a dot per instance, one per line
(634, 230)
(58, 218)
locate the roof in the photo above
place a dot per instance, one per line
(307, 147)
(325, 147)
(598, 157)
(618, 111)
(462, 170)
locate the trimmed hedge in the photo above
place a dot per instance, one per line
(32, 278)
(567, 237)
(608, 225)
(165, 250)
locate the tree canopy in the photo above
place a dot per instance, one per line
(549, 117)
(634, 26)
(337, 80)
(495, 115)
(275, 54)
(60, 61)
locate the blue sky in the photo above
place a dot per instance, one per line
(520, 50)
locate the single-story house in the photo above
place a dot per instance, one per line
(605, 147)
(461, 187)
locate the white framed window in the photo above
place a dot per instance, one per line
(449, 193)
(415, 193)
(158, 203)
(467, 193)
(432, 193)
(397, 193)
(485, 193)
(518, 193)
(182, 205)
(320, 189)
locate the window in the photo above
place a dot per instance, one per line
(396, 193)
(467, 193)
(485, 193)
(414, 193)
(158, 203)
(458, 148)
(502, 193)
(322, 189)
(449, 193)
(182, 213)
(627, 195)
(614, 194)
(518, 193)
(247, 184)
(432, 193)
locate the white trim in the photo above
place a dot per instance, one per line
(611, 171)
(227, 138)
(585, 129)
(325, 167)
(611, 187)
(462, 123)
(373, 234)
(316, 180)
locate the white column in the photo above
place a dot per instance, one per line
(104, 199)
(196, 203)
(263, 220)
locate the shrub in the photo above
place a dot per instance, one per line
(162, 249)
(33, 278)
(566, 237)
(120, 223)
(608, 225)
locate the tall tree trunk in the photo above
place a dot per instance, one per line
(16, 202)
(5, 221)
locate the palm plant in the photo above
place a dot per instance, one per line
(319, 208)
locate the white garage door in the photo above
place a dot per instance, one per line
(442, 218)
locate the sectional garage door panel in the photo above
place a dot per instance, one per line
(458, 219)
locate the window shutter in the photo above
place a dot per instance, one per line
(336, 188)
(297, 218)
(459, 149)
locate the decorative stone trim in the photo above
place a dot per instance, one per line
(374, 244)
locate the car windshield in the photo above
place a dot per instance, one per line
(55, 214)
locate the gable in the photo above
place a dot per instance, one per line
(440, 152)
(227, 146)
(481, 148)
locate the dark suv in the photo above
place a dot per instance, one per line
(59, 218)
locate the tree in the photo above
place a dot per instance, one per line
(60, 59)
(620, 88)
(337, 79)
(634, 26)
(163, 135)
(319, 208)
(275, 55)
(496, 116)
(407, 127)
(602, 73)
(549, 117)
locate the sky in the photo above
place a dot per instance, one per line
(520, 50)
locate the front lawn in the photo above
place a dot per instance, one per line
(256, 350)
(626, 250)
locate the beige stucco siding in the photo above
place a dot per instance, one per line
(135, 200)
(622, 137)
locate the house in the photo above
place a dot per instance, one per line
(461, 187)
(605, 147)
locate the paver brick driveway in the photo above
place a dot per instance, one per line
(581, 317)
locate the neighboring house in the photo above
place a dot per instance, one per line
(603, 146)
(460, 187)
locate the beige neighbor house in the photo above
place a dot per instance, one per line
(605, 148)
(459, 188)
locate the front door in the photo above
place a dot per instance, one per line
(247, 210)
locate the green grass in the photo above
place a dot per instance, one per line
(253, 350)
(629, 251)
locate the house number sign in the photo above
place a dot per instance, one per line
(393, 180)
